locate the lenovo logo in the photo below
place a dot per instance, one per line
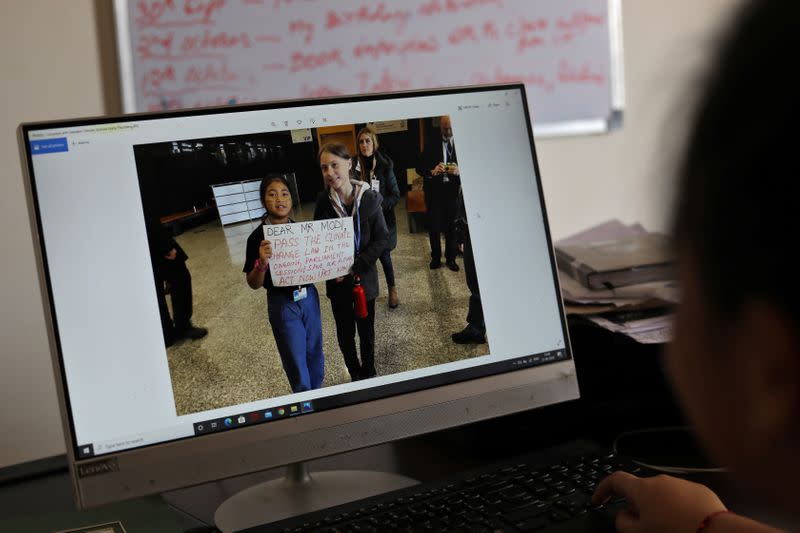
(97, 468)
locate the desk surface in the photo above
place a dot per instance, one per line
(45, 503)
(609, 377)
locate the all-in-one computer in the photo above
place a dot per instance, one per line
(147, 410)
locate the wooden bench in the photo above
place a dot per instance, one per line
(416, 209)
(177, 222)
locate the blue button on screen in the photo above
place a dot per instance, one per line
(49, 146)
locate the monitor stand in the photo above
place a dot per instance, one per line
(301, 492)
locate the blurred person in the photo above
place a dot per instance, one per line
(172, 276)
(475, 330)
(377, 168)
(441, 181)
(735, 357)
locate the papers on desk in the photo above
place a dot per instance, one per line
(110, 527)
(652, 330)
(640, 311)
(575, 293)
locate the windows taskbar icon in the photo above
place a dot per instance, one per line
(85, 451)
(253, 417)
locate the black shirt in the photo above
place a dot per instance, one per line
(367, 162)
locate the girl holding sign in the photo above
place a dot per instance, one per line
(293, 311)
(346, 197)
(377, 168)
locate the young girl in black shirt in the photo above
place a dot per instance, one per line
(293, 311)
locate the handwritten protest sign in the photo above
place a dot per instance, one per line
(308, 252)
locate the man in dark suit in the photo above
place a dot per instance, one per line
(475, 332)
(170, 267)
(441, 182)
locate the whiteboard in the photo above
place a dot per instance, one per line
(180, 54)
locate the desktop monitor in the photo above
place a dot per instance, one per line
(172, 370)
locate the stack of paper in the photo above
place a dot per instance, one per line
(649, 330)
(611, 307)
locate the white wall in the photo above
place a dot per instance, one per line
(56, 63)
(50, 60)
(626, 174)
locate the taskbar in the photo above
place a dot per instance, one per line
(292, 409)
(250, 418)
(253, 417)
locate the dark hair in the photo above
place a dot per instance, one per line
(265, 183)
(736, 211)
(337, 149)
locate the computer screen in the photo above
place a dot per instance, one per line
(180, 337)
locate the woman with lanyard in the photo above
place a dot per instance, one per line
(293, 311)
(346, 197)
(377, 168)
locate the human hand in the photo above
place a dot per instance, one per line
(438, 169)
(265, 252)
(171, 255)
(452, 168)
(340, 279)
(656, 504)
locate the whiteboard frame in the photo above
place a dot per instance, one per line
(125, 56)
(550, 129)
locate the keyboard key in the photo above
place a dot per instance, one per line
(534, 524)
(525, 512)
(547, 495)
(417, 509)
(558, 516)
(478, 528)
(362, 527)
(435, 506)
(512, 493)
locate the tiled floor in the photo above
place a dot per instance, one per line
(238, 362)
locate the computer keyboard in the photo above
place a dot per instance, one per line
(518, 495)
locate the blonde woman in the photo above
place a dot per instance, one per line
(377, 168)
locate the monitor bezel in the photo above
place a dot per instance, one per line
(92, 487)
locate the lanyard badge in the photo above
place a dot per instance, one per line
(299, 294)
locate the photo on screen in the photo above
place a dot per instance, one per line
(387, 193)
